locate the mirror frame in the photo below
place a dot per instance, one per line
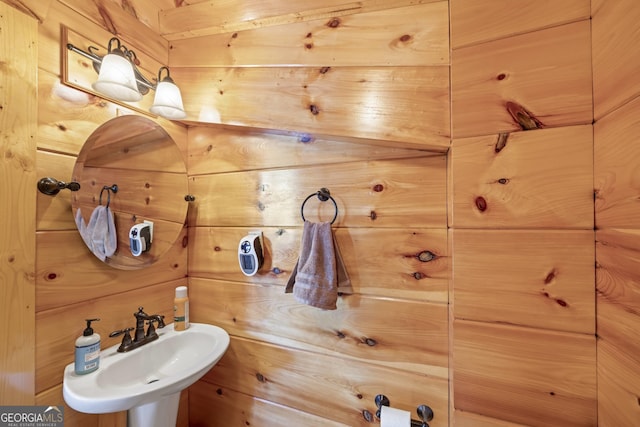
(150, 187)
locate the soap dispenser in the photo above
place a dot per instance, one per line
(87, 350)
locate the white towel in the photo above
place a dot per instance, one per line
(100, 235)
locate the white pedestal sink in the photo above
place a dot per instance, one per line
(147, 381)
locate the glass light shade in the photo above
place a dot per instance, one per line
(168, 101)
(116, 79)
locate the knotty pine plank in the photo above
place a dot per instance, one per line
(525, 375)
(18, 106)
(468, 419)
(149, 194)
(216, 149)
(535, 179)
(618, 385)
(409, 105)
(546, 72)
(617, 155)
(618, 285)
(474, 22)
(391, 332)
(338, 388)
(58, 328)
(399, 193)
(409, 36)
(213, 406)
(615, 66)
(213, 253)
(200, 18)
(117, 19)
(541, 279)
(74, 275)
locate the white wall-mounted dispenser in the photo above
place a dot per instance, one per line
(140, 237)
(250, 254)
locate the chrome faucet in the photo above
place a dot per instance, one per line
(140, 337)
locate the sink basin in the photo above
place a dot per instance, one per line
(144, 377)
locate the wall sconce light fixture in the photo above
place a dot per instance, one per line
(120, 79)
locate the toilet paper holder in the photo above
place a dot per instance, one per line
(425, 413)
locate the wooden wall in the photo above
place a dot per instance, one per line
(535, 106)
(346, 95)
(18, 83)
(616, 89)
(70, 283)
(521, 214)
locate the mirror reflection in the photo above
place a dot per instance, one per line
(131, 207)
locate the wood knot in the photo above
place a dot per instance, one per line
(261, 377)
(481, 203)
(523, 118)
(324, 70)
(370, 341)
(405, 38)
(334, 23)
(308, 45)
(378, 188)
(373, 215)
(367, 415)
(418, 276)
(501, 142)
(314, 109)
(501, 76)
(426, 256)
(185, 241)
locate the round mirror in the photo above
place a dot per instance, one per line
(134, 167)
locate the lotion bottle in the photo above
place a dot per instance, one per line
(87, 357)
(181, 309)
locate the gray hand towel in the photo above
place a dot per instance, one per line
(319, 273)
(100, 234)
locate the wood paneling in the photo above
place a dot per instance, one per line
(617, 154)
(411, 36)
(525, 375)
(73, 275)
(200, 18)
(474, 22)
(618, 281)
(58, 328)
(540, 279)
(330, 387)
(376, 193)
(18, 106)
(615, 66)
(547, 72)
(121, 20)
(539, 179)
(409, 105)
(213, 253)
(414, 337)
(213, 406)
(467, 419)
(618, 384)
(216, 149)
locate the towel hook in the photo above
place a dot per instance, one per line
(323, 195)
(51, 186)
(113, 188)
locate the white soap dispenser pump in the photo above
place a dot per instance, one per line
(87, 357)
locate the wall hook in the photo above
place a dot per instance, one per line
(51, 186)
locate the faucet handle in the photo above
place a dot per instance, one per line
(126, 339)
